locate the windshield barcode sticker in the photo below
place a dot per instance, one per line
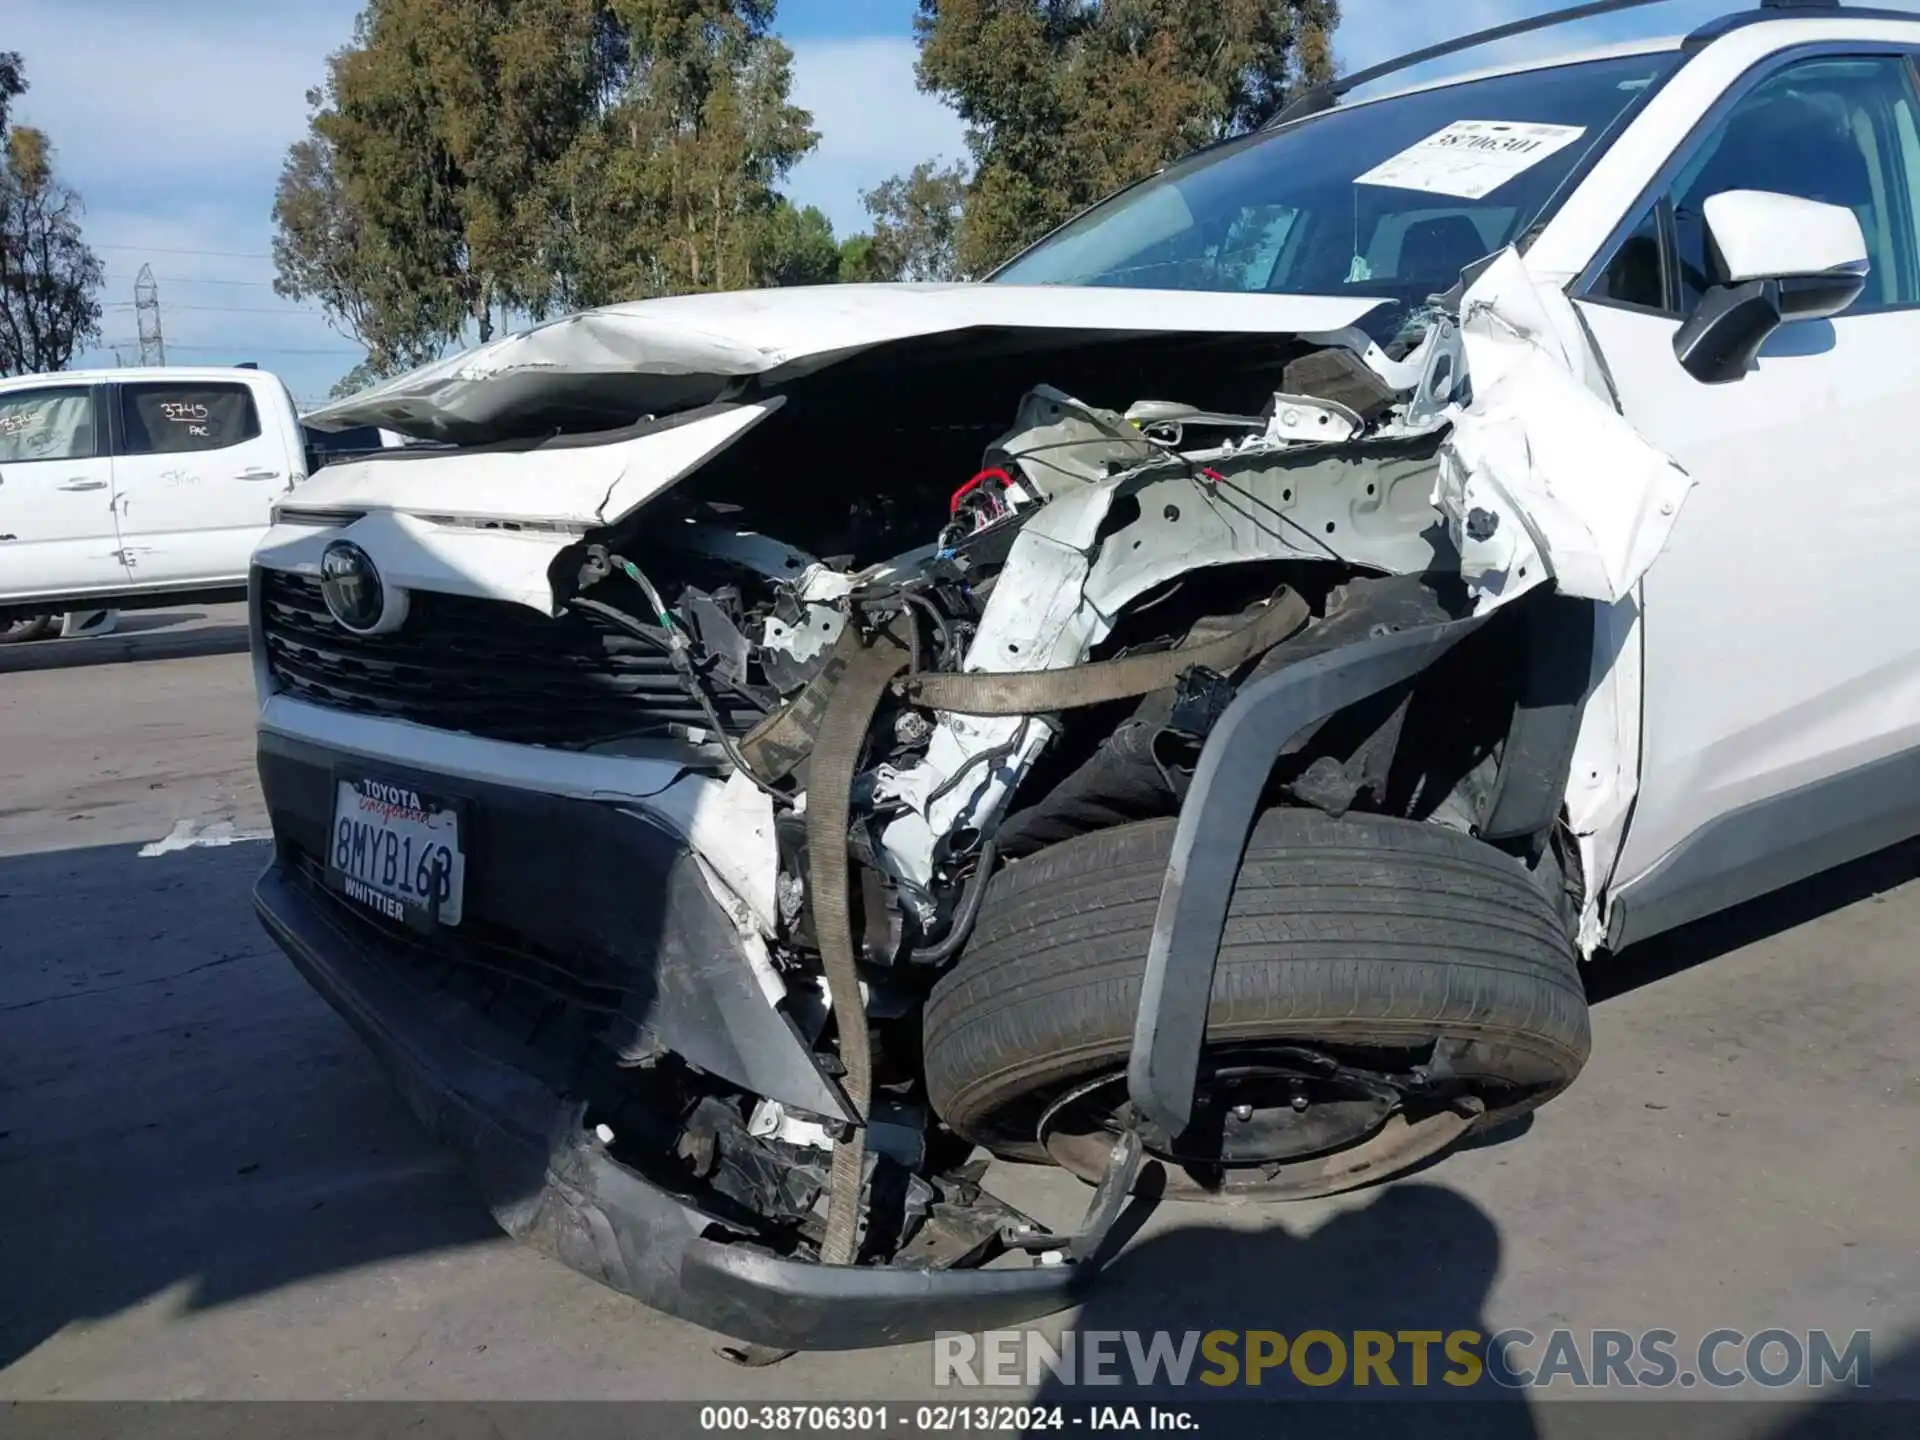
(1471, 159)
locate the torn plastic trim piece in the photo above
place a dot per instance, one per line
(1210, 841)
(1605, 766)
(1530, 790)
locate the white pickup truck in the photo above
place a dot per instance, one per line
(131, 489)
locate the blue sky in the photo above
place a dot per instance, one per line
(172, 118)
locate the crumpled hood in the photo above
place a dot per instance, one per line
(653, 356)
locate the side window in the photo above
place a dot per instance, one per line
(1824, 130)
(1636, 274)
(164, 419)
(1839, 130)
(53, 423)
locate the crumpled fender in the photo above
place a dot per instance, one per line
(1542, 478)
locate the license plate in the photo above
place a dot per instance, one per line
(396, 852)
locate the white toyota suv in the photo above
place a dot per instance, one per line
(1179, 710)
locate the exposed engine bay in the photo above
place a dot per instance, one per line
(925, 620)
(1087, 535)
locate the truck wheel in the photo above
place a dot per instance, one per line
(1383, 987)
(28, 627)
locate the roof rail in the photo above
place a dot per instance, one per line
(1325, 97)
(1787, 9)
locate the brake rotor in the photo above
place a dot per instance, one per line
(1275, 1123)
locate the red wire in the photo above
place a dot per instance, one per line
(1006, 482)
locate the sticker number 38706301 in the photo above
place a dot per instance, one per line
(1471, 159)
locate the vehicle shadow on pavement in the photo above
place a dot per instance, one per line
(178, 1108)
(129, 641)
(1888, 1407)
(1417, 1257)
(1757, 920)
(120, 649)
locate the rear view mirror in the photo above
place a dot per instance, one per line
(1781, 258)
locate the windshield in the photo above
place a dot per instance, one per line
(1390, 199)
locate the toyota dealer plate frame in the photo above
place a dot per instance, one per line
(385, 844)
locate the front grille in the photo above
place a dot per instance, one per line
(485, 667)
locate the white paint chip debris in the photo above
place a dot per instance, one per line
(197, 835)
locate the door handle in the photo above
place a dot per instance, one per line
(84, 485)
(259, 475)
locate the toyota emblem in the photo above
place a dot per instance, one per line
(351, 587)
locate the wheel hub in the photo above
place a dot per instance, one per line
(1251, 1108)
(1274, 1119)
(1258, 1114)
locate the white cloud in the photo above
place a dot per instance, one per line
(873, 123)
(173, 127)
(170, 101)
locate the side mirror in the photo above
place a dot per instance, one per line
(1781, 258)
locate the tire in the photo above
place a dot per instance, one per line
(1366, 938)
(28, 627)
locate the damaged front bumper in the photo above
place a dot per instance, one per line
(516, 1114)
(552, 1185)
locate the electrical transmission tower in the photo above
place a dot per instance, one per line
(146, 305)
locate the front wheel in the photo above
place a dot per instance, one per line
(1383, 988)
(27, 627)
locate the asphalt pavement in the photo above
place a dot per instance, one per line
(138, 635)
(207, 1188)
